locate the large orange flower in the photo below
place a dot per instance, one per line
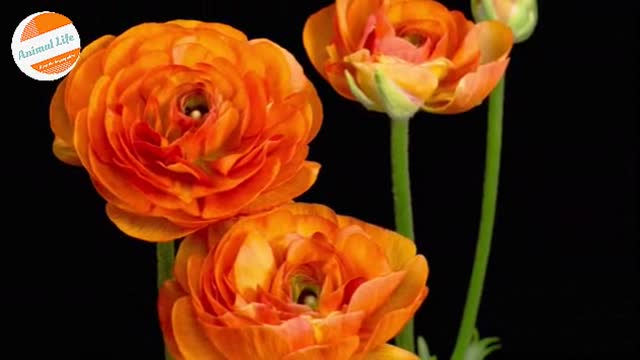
(182, 124)
(297, 282)
(437, 59)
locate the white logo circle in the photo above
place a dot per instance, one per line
(46, 46)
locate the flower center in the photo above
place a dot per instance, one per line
(304, 291)
(308, 297)
(416, 39)
(195, 105)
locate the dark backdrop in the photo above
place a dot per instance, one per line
(563, 273)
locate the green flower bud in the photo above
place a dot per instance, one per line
(520, 15)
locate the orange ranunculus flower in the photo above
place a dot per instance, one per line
(297, 282)
(436, 58)
(185, 123)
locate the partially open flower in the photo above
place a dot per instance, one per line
(401, 56)
(298, 282)
(520, 15)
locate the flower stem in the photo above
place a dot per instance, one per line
(401, 186)
(485, 233)
(165, 255)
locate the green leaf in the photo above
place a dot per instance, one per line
(423, 350)
(479, 349)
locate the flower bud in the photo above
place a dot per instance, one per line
(520, 15)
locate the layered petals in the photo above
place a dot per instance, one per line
(184, 124)
(430, 58)
(294, 282)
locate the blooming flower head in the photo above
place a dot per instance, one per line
(298, 282)
(184, 124)
(400, 56)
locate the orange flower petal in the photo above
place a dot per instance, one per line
(386, 352)
(96, 109)
(463, 26)
(308, 250)
(80, 85)
(361, 251)
(256, 92)
(186, 23)
(472, 89)
(81, 138)
(143, 31)
(411, 287)
(168, 294)
(254, 342)
(226, 30)
(213, 137)
(194, 272)
(283, 74)
(113, 186)
(399, 250)
(286, 122)
(297, 81)
(190, 54)
(485, 42)
(402, 12)
(412, 284)
(495, 40)
(60, 123)
(358, 15)
(342, 349)
(228, 203)
(119, 54)
(342, 7)
(88, 52)
(216, 232)
(293, 158)
(219, 27)
(337, 326)
(371, 295)
(153, 229)
(420, 81)
(298, 331)
(392, 322)
(317, 35)
(311, 209)
(335, 77)
(254, 266)
(291, 189)
(191, 341)
(313, 111)
(65, 152)
(193, 245)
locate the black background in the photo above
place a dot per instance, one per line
(563, 276)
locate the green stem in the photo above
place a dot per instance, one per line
(165, 255)
(485, 233)
(401, 186)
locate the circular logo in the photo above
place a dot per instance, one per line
(46, 46)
